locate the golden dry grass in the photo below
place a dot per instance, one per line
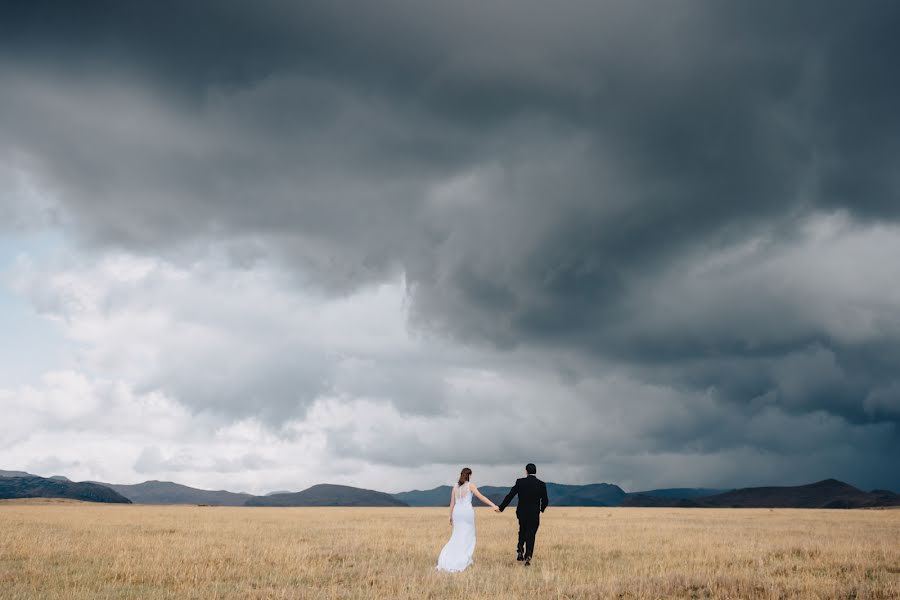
(58, 550)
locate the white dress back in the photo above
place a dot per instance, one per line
(457, 553)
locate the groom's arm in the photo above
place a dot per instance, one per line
(545, 500)
(512, 494)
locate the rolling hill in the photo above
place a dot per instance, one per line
(829, 493)
(681, 492)
(592, 494)
(328, 495)
(439, 496)
(44, 487)
(167, 492)
(15, 474)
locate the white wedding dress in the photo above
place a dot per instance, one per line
(457, 554)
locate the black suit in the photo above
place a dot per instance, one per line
(533, 501)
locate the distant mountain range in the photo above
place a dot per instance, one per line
(32, 486)
(679, 492)
(824, 494)
(327, 495)
(593, 494)
(166, 492)
(829, 493)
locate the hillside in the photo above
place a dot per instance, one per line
(15, 474)
(439, 496)
(43, 487)
(829, 493)
(592, 494)
(680, 492)
(328, 495)
(167, 492)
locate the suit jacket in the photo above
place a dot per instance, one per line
(532, 498)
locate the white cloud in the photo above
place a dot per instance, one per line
(223, 377)
(217, 338)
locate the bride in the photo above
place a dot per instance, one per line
(457, 554)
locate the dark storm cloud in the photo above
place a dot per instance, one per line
(545, 175)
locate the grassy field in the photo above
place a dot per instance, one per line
(67, 550)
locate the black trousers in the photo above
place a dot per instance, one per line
(527, 532)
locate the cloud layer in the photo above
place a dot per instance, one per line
(631, 240)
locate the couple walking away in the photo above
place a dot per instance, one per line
(532, 492)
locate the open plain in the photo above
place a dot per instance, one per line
(71, 550)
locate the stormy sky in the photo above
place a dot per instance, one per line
(263, 245)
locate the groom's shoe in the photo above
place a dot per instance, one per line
(519, 556)
(528, 562)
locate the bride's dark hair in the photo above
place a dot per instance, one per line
(464, 475)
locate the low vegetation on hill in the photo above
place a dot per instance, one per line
(328, 495)
(829, 493)
(44, 487)
(166, 492)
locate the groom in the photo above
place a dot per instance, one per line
(532, 502)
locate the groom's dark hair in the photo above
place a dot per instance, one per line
(530, 469)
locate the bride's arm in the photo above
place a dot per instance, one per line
(452, 503)
(481, 496)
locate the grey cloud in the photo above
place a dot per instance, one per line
(543, 176)
(613, 429)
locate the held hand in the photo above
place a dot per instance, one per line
(496, 509)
